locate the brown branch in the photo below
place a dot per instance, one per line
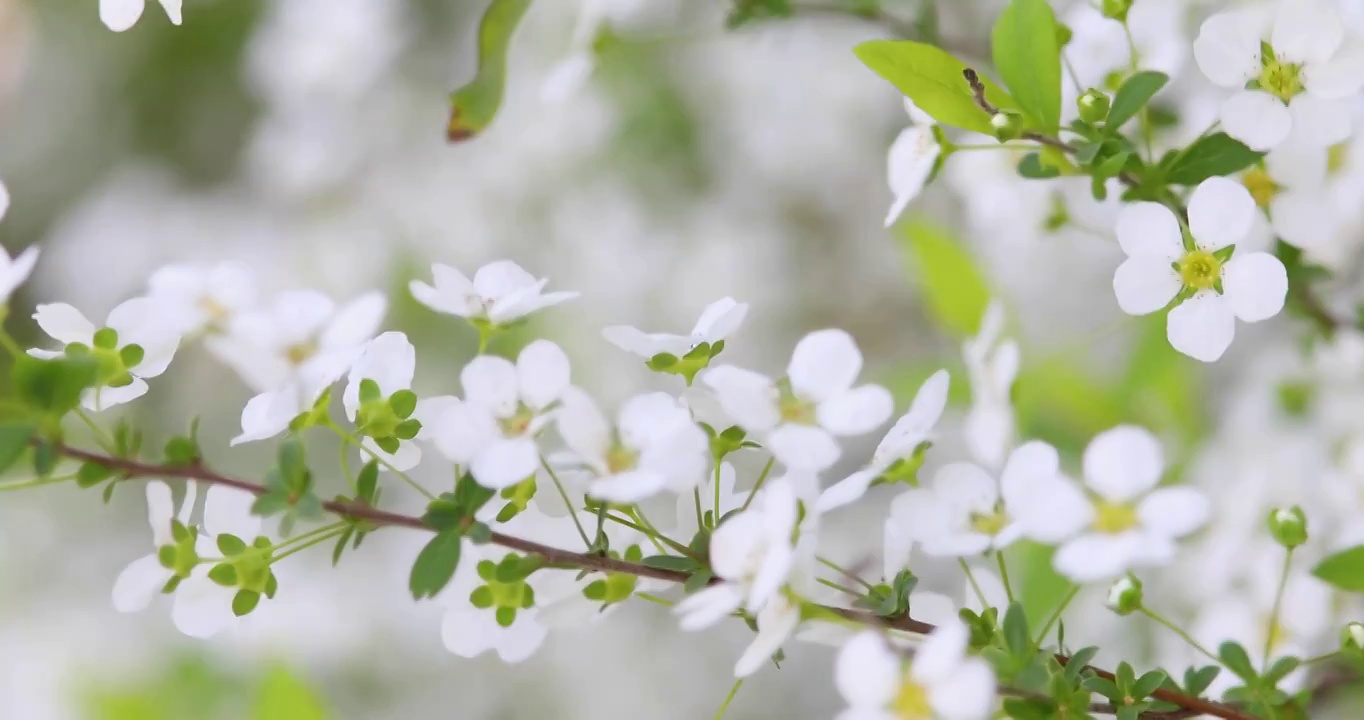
(130, 469)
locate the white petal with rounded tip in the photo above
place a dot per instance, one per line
(1174, 511)
(1320, 123)
(967, 694)
(857, 411)
(138, 583)
(160, 512)
(491, 384)
(1304, 218)
(355, 322)
(824, 363)
(64, 323)
(4, 200)
(1122, 463)
(501, 278)
(583, 427)
(941, 653)
(644, 344)
(1257, 119)
(1094, 557)
(707, 607)
(1298, 165)
(268, 414)
(720, 319)
(1201, 327)
(776, 623)
(202, 608)
(228, 510)
(749, 398)
(915, 425)
(119, 15)
(389, 360)
(17, 271)
(1227, 49)
(542, 370)
(1144, 285)
(1147, 229)
(1221, 212)
(505, 463)
(966, 487)
(1306, 31)
(803, 447)
(845, 491)
(1030, 463)
(866, 672)
(103, 398)
(1049, 510)
(172, 8)
(1255, 286)
(627, 487)
(1336, 78)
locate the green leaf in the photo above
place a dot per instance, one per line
(1344, 569)
(91, 474)
(435, 564)
(953, 287)
(1016, 631)
(474, 106)
(1031, 167)
(1147, 684)
(282, 696)
(13, 442)
(933, 80)
(1234, 657)
(1133, 96)
(229, 545)
(53, 386)
(1028, 57)
(670, 562)
(368, 481)
(1214, 155)
(1197, 680)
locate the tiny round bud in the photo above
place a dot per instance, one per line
(1008, 125)
(1115, 9)
(1352, 637)
(1125, 595)
(1094, 105)
(1063, 34)
(1288, 527)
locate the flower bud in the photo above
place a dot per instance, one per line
(1125, 596)
(1352, 637)
(1063, 34)
(1115, 9)
(1094, 105)
(1007, 125)
(1288, 527)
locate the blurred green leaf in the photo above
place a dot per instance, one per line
(1344, 569)
(435, 564)
(283, 696)
(474, 106)
(1216, 154)
(1135, 92)
(954, 289)
(933, 80)
(1028, 58)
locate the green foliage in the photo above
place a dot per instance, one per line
(52, 388)
(452, 516)
(436, 564)
(696, 360)
(954, 288)
(1344, 569)
(1134, 94)
(14, 440)
(289, 488)
(1213, 155)
(1028, 57)
(184, 449)
(890, 599)
(284, 696)
(473, 106)
(743, 12)
(933, 80)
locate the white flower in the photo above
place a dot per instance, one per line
(1290, 187)
(119, 15)
(1293, 72)
(900, 445)
(654, 446)
(390, 361)
(123, 368)
(501, 293)
(144, 577)
(801, 416)
(14, 271)
(991, 368)
(1124, 522)
(203, 298)
(776, 622)
(1215, 284)
(203, 608)
(942, 682)
(4, 200)
(505, 406)
(717, 322)
(965, 511)
(752, 555)
(911, 160)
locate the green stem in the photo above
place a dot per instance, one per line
(1183, 635)
(655, 599)
(729, 698)
(716, 517)
(101, 437)
(572, 509)
(344, 461)
(762, 478)
(36, 482)
(826, 562)
(333, 529)
(1273, 628)
(352, 439)
(1004, 576)
(1056, 615)
(840, 588)
(975, 587)
(696, 496)
(304, 546)
(654, 537)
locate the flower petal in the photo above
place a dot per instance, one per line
(1320, 123)
(1306, 31)
(644, 344)
(867, 673)
(160, 512)
(355, 322)
(857, 411)
(202, 608)
(505, 463)
(1048, 510)
(502, 278)
(228, 510)
(1304, 218)
(803, 447)
(119, 15)
(941, 653)
(749, 398)
(967, 694)
(64, 323)
(1124, 462)
(583, 427)
(1145, 284)
(1201, 327)
(1227, 48)
(915, 425)
(720, 319)
(824, 363)
(966, 488)
(1148, 229)
(776, 623)
(1174, 511)
(1221, 213)
(1336, 78)
(627, 487)
(138, 583)
(1255, 286)
(491, 384)
(542, 370)
(173, 10)
(1257, 119)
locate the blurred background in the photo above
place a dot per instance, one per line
(305, 138)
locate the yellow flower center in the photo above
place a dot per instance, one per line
(518, 424)
(1336, 157)
(1113, 518)
(300, 353)
(1261, 186)
(795, 410)
(911, 702)
(991, 524)
(1278, 634)
(620, 458)
(1280, 79)
(1200, 269)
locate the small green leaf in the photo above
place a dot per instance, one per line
(368, 481)
(697, 581)
(341, 545)
(1234, 657)
(435, 564)
(1147, 684)
(53, 386)
(670, 562)
(1197, 680)
(933, 79)
(953, 287)
(91, 474)
(1031, 167)
(1028, 57)
(14, 440)
(229, 545)
(1344, 569)
(224, 574)
(403, 402)
(474, 106)
(1133, 96)
(1016, 631)
(1214, 155)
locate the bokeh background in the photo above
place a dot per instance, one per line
(305, 137)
